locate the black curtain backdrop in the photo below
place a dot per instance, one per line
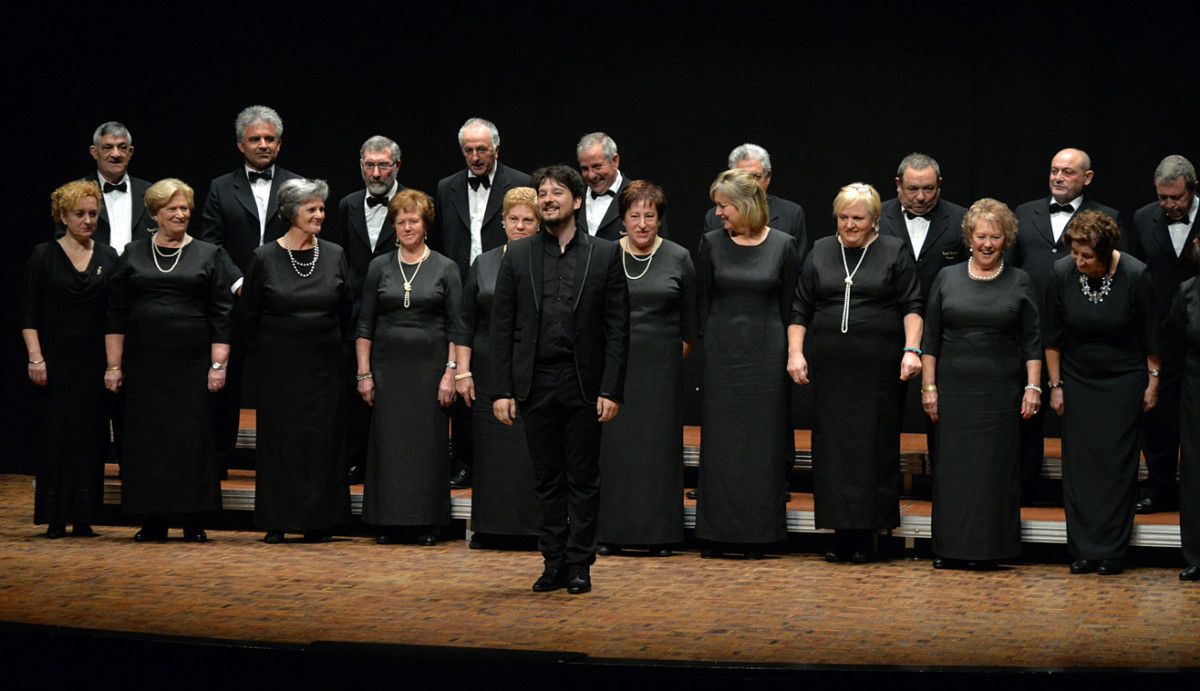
(836, 91)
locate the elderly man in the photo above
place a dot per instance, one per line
(600, 167)
(1162, 233)
(786, 215)
(1040, 242)
(931, 227)
(123, 214)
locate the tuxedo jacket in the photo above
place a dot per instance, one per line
(1150, 241)
(451, 232)
(350, 231)
(943, 245)
(612, 226)
(787, 216)
(1035, 250)
(601, 317)
(140, 221)
(230, 216)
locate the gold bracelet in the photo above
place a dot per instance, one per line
(929, 388)
(464, 375)
(38, 362)
(113, 369)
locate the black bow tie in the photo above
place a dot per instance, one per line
(1183, 220)
(119, 187)
(1061, 209)
(912, 217)
(265, 175)
(609, 193)
(375, 200)
(475, 182)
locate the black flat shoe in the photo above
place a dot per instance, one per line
(150, 535)
(461, 479)
(426, 540)
(753, 554)
(1110, 567)
(56, 530)
(195, 535)
(833, 557)
(1083, 566)
(605, 549)
(940, 563)
(477, 542)
(692, 494)
(552, 578)
(82, 530)
(660, 551)
(273, 537)
(712, 553)
(860, 556)
(385, 539)
(1191, 573)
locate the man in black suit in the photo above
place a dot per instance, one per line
(787, 216)
(240, 214)
(1040, 242)
(931, 227)
(364, 232)
(560, 337)
(123, 216)
(1162, 233)
(467, 223)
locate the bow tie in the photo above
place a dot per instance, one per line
(912, 217)
(119, 187)
(375, 200)
(475, 182)
(265, 175)
(609, 193)
(1183, 220)
(1061, 209)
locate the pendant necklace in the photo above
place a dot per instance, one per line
(849, 281)
(408, 281)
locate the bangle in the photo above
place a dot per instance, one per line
(38, 362)
(113, 369)
(929, 388)
(464, 375)
(1033, 387)
(916, 351)
(1054, 384)
(452, 365)
(364, 377)
(1155, 372)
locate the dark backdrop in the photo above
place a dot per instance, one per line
(836, 91)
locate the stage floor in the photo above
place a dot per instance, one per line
(793, 608)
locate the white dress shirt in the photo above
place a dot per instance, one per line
(1179, 229)
(918, 230)
(119, 207)
(477, 200)
(1058, 222)
(596, 208)
(261, 189)
(377, 215)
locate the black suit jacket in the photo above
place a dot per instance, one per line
(943, 245)
(1035, 250)
(1150, 241)
(230, 216)
(139, 219)
(601, 324)
(451, 232)
(612, 226)
(787, 216)
(350, 231)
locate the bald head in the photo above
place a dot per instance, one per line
(1070, 172)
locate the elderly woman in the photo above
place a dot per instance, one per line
(296, 301)
(981, 370)
(745, 279)
(502, 496)
(642, 448)
(167, 344)
(406, 371)
(66, 284)
(1102, 361)
(1183, 336)
(855, 335)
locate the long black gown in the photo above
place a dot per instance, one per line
(295, 324)
(66, 307)
(1183, 330)
(858, 397)
(170, 321)
(747, 442)
(1104, 347)
(502, 497)
(408, 463)
(982, 333)
(641, 450)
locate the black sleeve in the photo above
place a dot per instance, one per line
(370, 300)
(468, 313)
(120, 294)
(689, 325)
(1031, 336)
(501, 338)
(220, 299)
(454, 295)
(931, 335)
(789, 275)
(804, 299)
(616, 328)
(704, 284)
(31, 296)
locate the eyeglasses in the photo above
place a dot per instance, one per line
(381, 167)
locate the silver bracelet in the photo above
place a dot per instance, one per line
(1033, 387)
(364, 377)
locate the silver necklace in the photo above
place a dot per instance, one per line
(1097, 296)
(409, 281)
(849, 281)
(296, 265)
(977, 277)
(645, 260)
(159, 253)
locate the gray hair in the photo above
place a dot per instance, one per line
(294, 192)
(114, 129)
(607, 146)
(1173, 167)
(253, 114)
(751, 152)
(480, 122)
(380, 143)
(918, 161)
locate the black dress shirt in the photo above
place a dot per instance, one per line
(555, 343)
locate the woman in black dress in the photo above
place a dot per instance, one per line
(66, 285)
(1183, 332)
(745, 279)
(296, 301)
(980, 374)
(641, 451)
(1102, 361)
(167, 343)
(406, 371)
(855, 335)
(502, 493)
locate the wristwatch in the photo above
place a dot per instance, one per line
(216, 367)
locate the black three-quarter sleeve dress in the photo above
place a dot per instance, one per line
(502, 490)
(408, 462)
(641, 450)
(855, 376)
(747, 444)
(1183, 330)
(982, 334)
(66, 307)
(171, 313)
(1104, 345)
(295, 324)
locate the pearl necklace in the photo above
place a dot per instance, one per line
(408, 281)
(311, 266)
(1096, 297)
(849, 281)
(647, 260)
(977, 277)
(159, 253)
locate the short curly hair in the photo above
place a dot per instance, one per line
(995, 212)
(1097, 230)
(68, 196)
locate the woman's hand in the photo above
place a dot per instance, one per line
(465, 388)
(1150, 397)
(113, 379)
(446, 389)
(1030, 403)
(505, 410)
(1056, 399)
(797, 369)
(216, 380)
(366, 389)
(910, 366)
(929, 401)
(37, 373)
(606, 408)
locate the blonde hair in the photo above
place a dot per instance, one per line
(995, 212)
(858, 193)
(743, 192)
(68, 196)
(161, 192)
(518, 196)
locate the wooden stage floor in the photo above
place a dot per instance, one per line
(793, 608)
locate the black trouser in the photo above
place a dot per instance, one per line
(1160, 434)
(563, 434)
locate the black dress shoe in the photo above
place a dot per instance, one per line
(1149, 503)
(461, 479)
(940, 563)
(357, 475)
(56, 530)
(712, 553)
(579, 580)
(660, 551)
(833, 557)
(426, 540)
(150, 535)
(1083, 566)
(552, 578)
(605, 549)
(385, 539)
(195, 535)
(860, 556)
(1110, 567)
(477, 542)
(692, 494)
(1191, 573)
(82, 530)
(273, 537)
